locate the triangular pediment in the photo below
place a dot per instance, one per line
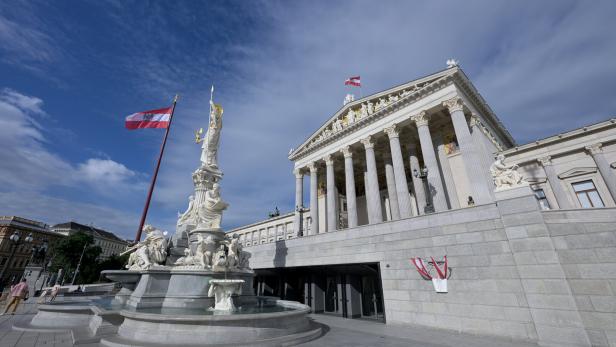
(358, 113)
(578, 171)
(536, 180)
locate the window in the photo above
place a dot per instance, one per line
(587, 194)
(543, 201)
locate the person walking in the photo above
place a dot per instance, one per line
(18, 293)
(54, 292)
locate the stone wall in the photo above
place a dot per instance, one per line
(585, 241)
(514, 272)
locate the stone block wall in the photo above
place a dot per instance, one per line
(513, 274)
(585, 242)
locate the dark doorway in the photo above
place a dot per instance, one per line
(349, 290)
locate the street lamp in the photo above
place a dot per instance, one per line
(15, 242)
(423, 174)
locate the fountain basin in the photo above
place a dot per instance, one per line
(288, 326)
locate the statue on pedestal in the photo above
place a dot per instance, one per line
(152, 250)
(209, 214)
(209, 152)
(505, 176)
(190, 212)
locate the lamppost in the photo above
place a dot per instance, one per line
(423, 174)
(15, 242)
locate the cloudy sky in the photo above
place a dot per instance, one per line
(71, 70)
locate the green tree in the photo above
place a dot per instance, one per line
(114, 262)
(67, 254)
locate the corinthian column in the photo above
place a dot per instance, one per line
(402, 190)
(596, 151)
(375, 214)
(559, 192)
(447, 175)
(299, 201)
(418, 187)
(314, 200)
(349, 176)
(429, 157)
(332, 221)
(390, 180)
(470, 153)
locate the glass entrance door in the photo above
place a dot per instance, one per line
(371, 300)
(331, 295)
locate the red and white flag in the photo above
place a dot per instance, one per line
(353, 81)
(149, 119)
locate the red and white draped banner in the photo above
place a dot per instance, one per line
(440, 281)
(149, 119)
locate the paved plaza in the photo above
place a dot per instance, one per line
(337, 332)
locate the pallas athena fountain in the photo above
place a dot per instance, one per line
(194, 289)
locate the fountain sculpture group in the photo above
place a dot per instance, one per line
(194, 289)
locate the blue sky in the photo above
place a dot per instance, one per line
(71, 70)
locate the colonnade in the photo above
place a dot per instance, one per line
(396, 177)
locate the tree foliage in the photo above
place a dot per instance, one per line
(67, 253)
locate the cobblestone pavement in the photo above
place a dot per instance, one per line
(337, 332)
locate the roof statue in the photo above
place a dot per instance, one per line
(452, 63)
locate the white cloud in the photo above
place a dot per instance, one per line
(104, 172)
(33, 178)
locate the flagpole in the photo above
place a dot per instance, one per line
(160, 156)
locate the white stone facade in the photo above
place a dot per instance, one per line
(532, 261)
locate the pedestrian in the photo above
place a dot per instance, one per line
(43, 296)
(54, 292)
(18, 292)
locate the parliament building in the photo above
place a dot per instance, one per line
(409, 172)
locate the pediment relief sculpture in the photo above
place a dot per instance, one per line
(353, 114)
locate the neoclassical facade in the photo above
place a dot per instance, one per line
(410, 173)
(367, 163)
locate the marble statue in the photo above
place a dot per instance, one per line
(233, 255)
(152, 250)
(337, 125)
(190, 213)
(209, 214)
(209, 152)
(187, 259)
(364, 111)
(219, 261)
(505, 176)
(205, 250)
(370, 107)
(223, 291)
(348, 98)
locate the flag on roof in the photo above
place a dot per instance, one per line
(353, 81)
(149, 119)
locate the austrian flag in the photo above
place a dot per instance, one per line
(353, 81)
(149, 119)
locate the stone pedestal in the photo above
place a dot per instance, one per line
(180, 287)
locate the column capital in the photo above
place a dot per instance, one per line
(367, 142)
(594, 148)
(545, 161)
(346, 151)
(454, 104)
(329, 160)
(312, 167)
(299, 173)
(421, 119)
(393, 131)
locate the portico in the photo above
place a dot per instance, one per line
(364, 162)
